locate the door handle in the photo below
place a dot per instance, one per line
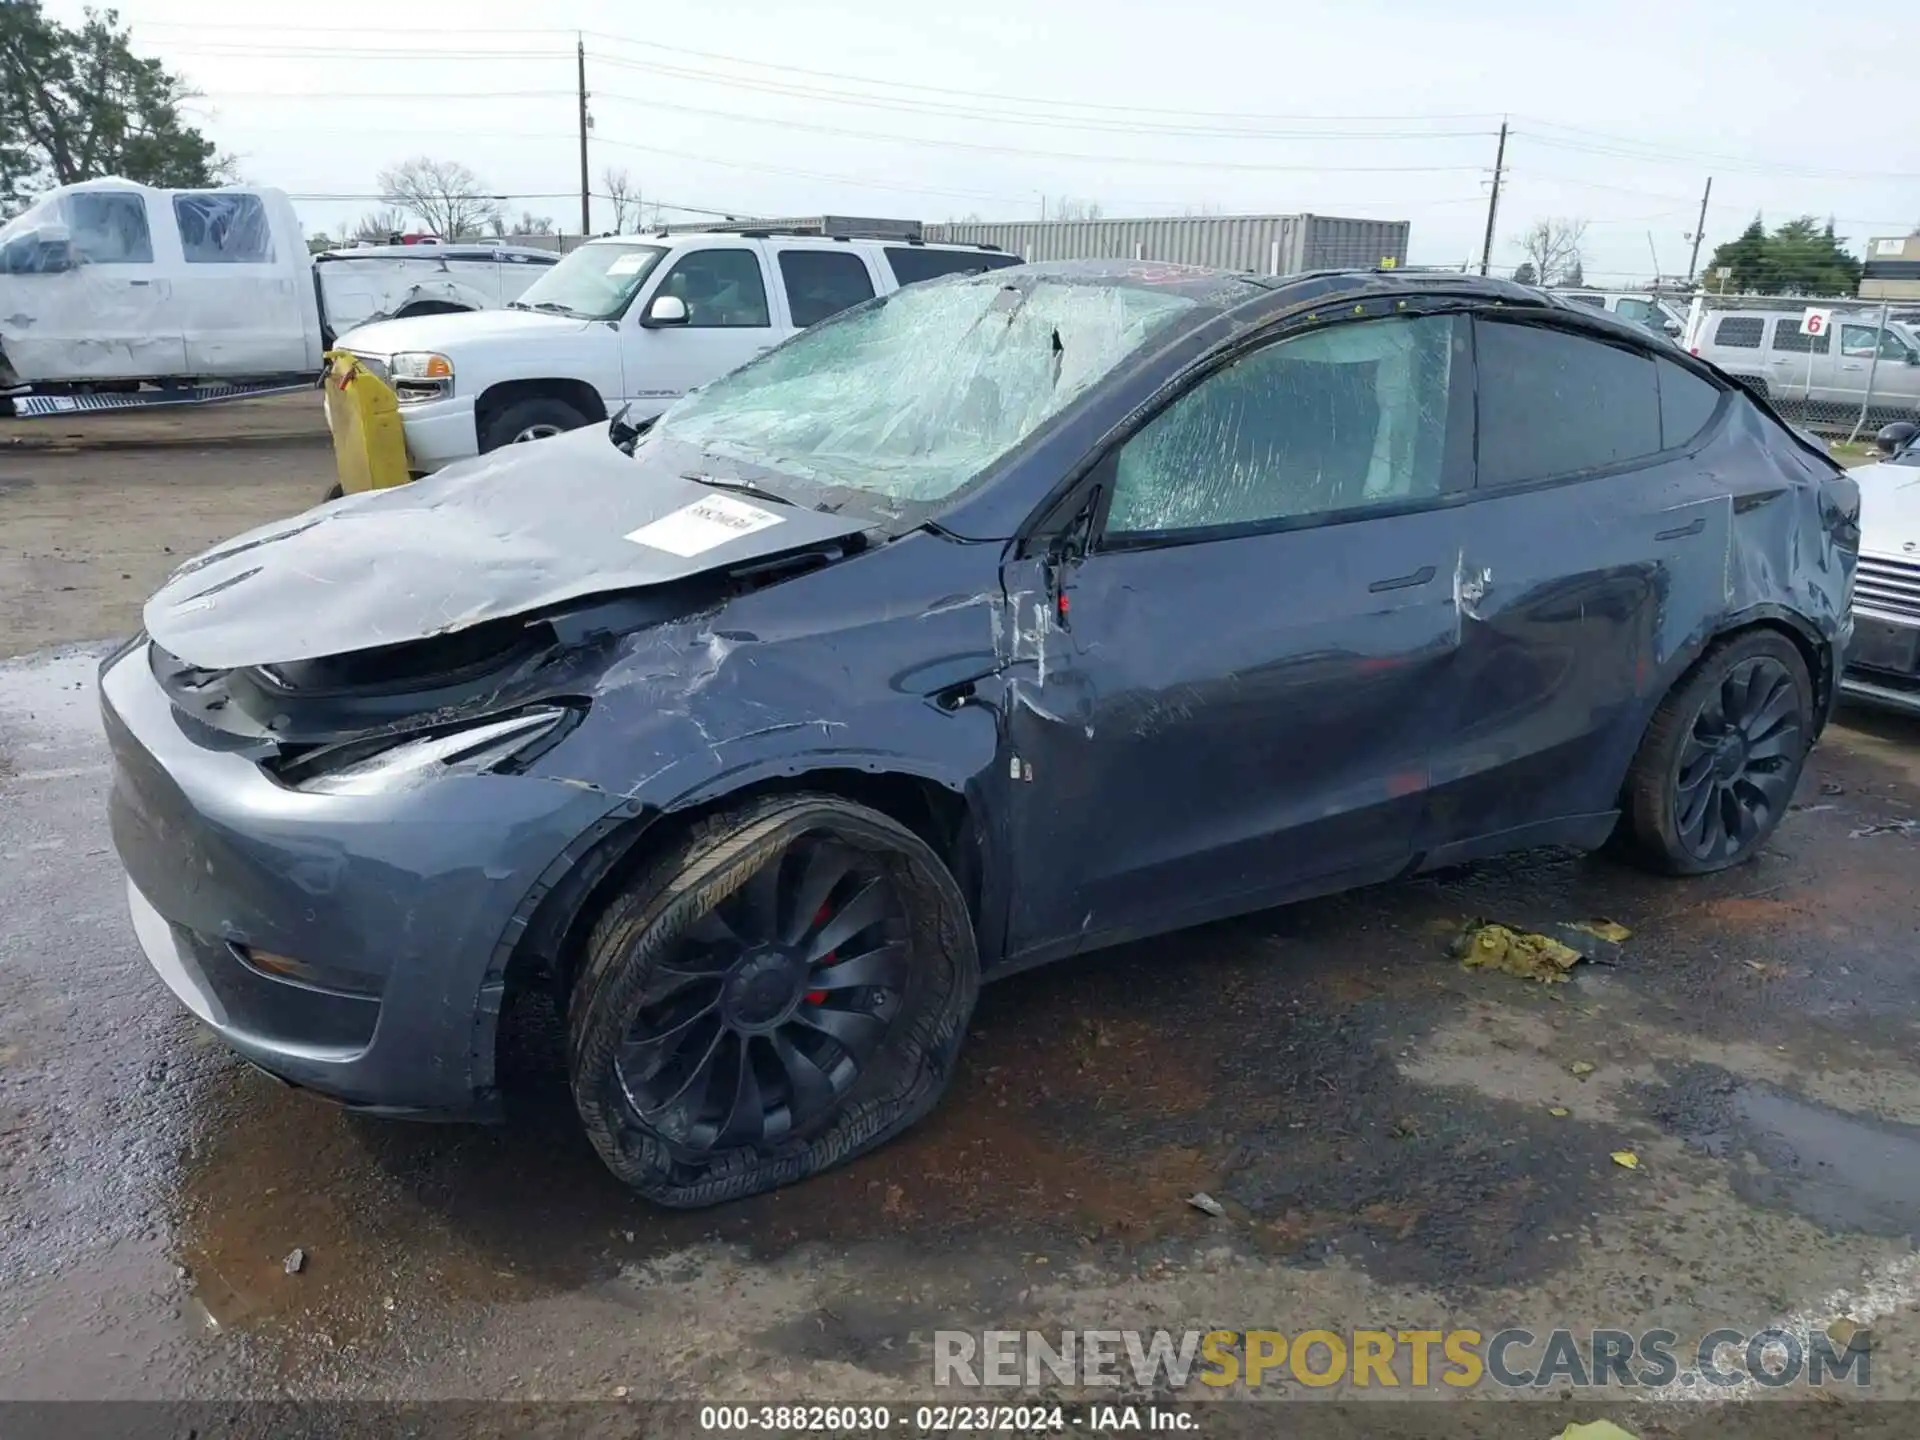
(1421, 576)
(1693, 527)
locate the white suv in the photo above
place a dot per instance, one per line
(635, 321)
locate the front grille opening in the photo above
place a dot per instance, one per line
(1889, 586)
(414, 664)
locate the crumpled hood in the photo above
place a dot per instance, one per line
(438, 332)
(523, 529)
(1889, 509)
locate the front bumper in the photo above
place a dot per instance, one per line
(418, 895)
(439, 432)
(1883, 661)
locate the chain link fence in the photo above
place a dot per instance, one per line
(1840, 366)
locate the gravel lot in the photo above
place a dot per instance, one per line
(1378, 1125)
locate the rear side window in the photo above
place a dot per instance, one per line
(822, 283)
(1787, 335)
(1555, 403)
(911, 264)
(1740, 332)
(109, 227)
(223, 228)
(1687, 403)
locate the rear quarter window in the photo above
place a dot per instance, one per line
(1739, 332)
(912, 264)
(1687, 403)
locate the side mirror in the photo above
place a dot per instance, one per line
(44, 250)
(665, 310)
(1896, 437)
(1673, 329)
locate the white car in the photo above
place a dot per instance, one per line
(1883, 661)
(634, 322)
(112, 283)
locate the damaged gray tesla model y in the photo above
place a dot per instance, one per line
(992, 621)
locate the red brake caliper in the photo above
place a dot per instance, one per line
(819, 997)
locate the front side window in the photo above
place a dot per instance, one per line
(1334, 420)
(109, 227)
(595, 282)
(722, 289)
(911, 397)
(223, 228)
(1556, 403)
(1861, 341)
(822, 283)
(1787, 335)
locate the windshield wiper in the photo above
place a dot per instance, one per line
(745, 487)
(545, 307)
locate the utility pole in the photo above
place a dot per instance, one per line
(1699, 229)
(1493, 201)
(586, 198)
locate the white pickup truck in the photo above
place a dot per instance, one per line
(633, 322)
(108, 284)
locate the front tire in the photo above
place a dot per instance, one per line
(784, 989)
(536, 418)
(1719, 763)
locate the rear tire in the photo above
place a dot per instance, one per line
(783, 989)
(535, 418)
(1719, 763)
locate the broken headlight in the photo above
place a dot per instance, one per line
(373, 767)
(421, 375)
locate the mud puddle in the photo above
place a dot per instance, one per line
(1847, 1173)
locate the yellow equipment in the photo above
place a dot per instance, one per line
(369, 449)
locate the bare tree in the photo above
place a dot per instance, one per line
(625, 195)
(445, 194)
(528, 224)
(1552, 247)
(376, 227)
(1069, 208)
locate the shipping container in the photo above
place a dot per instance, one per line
(1264, 244)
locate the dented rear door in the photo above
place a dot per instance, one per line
(1597, 553)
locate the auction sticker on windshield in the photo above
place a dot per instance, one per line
(697, 528)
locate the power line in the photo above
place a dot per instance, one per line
(874, 81)
(1011, 117)
(1183, 163)
(1651, 156)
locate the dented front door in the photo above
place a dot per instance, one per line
(1219, 726)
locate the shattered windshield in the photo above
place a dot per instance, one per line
(910, 396)
(595, 282)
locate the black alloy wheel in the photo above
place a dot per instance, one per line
(1740, 760)
(778, 987)
(768, 1009)
(1718, 765)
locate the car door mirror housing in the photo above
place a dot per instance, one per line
(1895, 437)
(664, 311)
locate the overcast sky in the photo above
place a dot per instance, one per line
(877, 107)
